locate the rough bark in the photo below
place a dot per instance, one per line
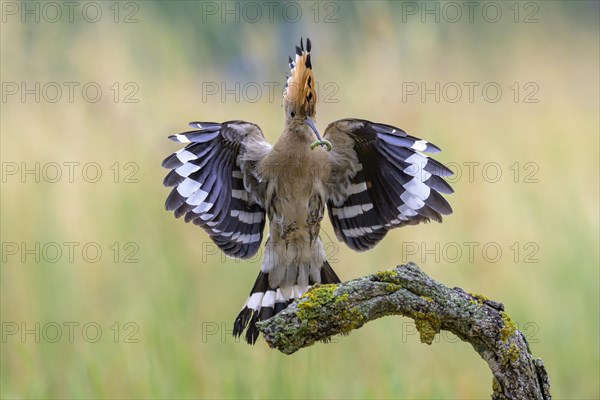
(328, 310)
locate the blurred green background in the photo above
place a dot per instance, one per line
(165, 317)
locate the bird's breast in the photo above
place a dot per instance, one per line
(296, 193)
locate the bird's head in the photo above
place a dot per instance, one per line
(300, 96)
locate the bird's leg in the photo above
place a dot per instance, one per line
(314, 217)
(287, 230)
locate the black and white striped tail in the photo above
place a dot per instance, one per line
(264, 302)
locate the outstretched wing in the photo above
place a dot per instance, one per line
(215, 183)
(380, 180)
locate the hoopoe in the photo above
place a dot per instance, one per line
(371, 177)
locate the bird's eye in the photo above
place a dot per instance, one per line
(293, 114)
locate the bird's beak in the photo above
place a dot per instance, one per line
(323, 143)
(308, 121)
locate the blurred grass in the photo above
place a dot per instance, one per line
(175, 291)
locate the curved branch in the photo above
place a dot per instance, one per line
(328, 310)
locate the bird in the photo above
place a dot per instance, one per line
(370, 177)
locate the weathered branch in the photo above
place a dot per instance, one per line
(328, 310)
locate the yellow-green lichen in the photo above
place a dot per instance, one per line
(428, 326)
(513, 353)
(508, 327)
(479, 297)
(353, 319)
(391, 280)
(312, 310)
(496, 385)
(314, 300)
(387, 276)
(391, 287)
(427, 299)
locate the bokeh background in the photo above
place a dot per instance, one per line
(165, 302)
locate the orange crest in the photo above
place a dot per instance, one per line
(300, 91)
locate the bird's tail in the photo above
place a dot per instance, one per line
(266, 301)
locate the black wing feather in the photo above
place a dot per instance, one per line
(398, 185)
(206, 174)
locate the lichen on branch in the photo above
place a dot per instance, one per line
(328, 310)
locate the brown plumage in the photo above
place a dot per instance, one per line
(300, 95)
(228, 180)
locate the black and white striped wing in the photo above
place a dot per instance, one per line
(215, 184)
(381, 180)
